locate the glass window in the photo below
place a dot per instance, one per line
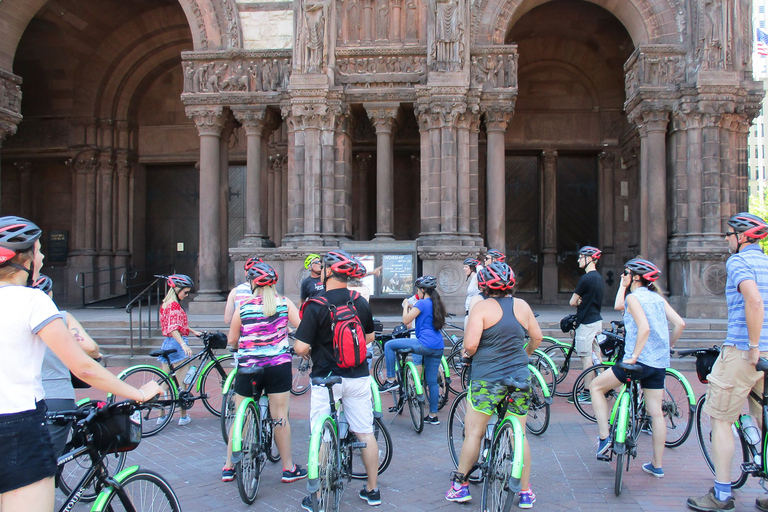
(762, 23)
(761, 9)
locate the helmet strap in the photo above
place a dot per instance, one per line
(30, 271)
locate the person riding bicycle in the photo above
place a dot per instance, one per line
(240, 292)
(31, 322)
(495, 339)
(259, 331)
(175, 327)
(588, 300)
(312, 285)
(429, 315)
(470, 270)
(315, 336)
(734, 375)
(647, 343)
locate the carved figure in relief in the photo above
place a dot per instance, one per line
(189, 77)
(511, 70)
(382, 20)
(265, 71)
(286, 73)
(446, 50)
(201, 77)
(212, 84)
(398, 65)
(315, 16)
(274, 75)
(652, 70)
(411, 21)
(254, 73)
(711, 38)
(353, 21)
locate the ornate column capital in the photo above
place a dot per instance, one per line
(608, 159)
(314, 115)
(85, 162)
(254, 118)
(383, 116)
(549, 157)
(439, 113)
(497, 116)
(650, 118)
(208, 119)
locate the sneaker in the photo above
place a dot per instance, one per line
(603, 447)
(709, 503)
(291, 476)
(372, 497)
(227, 474)
(161, 419)
(527, 499)
(390, 385)
(432, 420)
(762, 503)
(186, 420)
(460, 495)
(651, 470)
(583, 398)
(306, 503)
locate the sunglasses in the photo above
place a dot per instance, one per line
(626, 273)
(729, 233)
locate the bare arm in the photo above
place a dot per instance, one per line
(86, 343)
(643, 329)
(293, 313)
(621, 293)
(754, 312)
(678, 324)
(229, 309)
(575, 300)
(523, 310)
(233, 336)
(474, 330)
(304, 349)
(409, 313)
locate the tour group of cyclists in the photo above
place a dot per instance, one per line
(495, 338)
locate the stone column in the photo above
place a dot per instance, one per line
(209, 122)
(605, 208)
(82, 257)
(549, 285)
(105, 180)
(363, 171)
(123, 217)
(383, 119)
(367, 22)
(496, 120)
(464, 174)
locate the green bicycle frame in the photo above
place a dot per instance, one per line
(536, 373)
(686, 385)
(171, 382)
(237, 433)
(555, 341)
(229, 382)
(101, 500)
(444, 364)
(313, 463)
(622, 423)
(376, 397)
(517, 461)
(416, 378)
(210, 363)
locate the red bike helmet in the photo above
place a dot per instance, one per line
(340, 262)
(261, 274)
(360, 271)
(496, 276)
(496, 255)
(180, 281)
(43, 283)
(472, 263)
(16, 235)
(749, 224)
(644, 269)
(592, 252)
(251, 262)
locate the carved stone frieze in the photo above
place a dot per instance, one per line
(494, 67)
(447, 253)
(395, 71)
(10, 103)
(236, 76)
(654, 67)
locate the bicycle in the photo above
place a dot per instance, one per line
(204, 383)
(334, 450)
(99, 431)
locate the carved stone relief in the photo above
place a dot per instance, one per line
(449, 279)
(312, 36)
(402, 70)
(714, 279)
(494, 70)
(447, 47)
(241, 75)
(654, 66)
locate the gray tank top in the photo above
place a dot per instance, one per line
(501, 352)
(57, 381)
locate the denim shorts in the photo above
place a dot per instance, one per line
(26, 451)
(171, 344)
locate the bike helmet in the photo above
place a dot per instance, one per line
(340, 262)
(43, 283)
(592, 252)
(496, 276)
(472, 263)
(751, 225)
(426, 282)
(180, 281)
(251, 262)
(496, 255)
(261, 274)
(643, 268)
(16, 235)
(360, 271)
(309, 259)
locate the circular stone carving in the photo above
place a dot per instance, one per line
(449, 279)
(302, 274)
(714, 279)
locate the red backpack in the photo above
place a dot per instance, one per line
(349, 346)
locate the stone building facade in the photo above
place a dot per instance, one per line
(199, 132)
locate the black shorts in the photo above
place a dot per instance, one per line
(26, 451)
(276, 379)
(652, 378)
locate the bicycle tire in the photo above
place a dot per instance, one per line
(147, 491)
(677, 409)
(537, 420)
(619, 473)
(497, 496)
(270, 446)
(329, 473)
(559, 355)
(248, 468)
(154, 416)
(466, 373)
(546, 371)
(704, 435)
(227, 416)
(380, 370)
(585, 408)
(384, 443)
(456, 416)
(455, 364)
(212, 383)
(415, 406)
(300, 370)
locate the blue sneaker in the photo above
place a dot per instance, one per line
(459, 495)
(603, 447)
(527, 499)
(651, 470)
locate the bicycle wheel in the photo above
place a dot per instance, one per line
(301, 368)
(584, 405)
(227, 415)
(415, 407)
(704, 434)
(383, 441)
(329, 472)
(455, 365)
(538, 410)
(678, 413)
(442, 386)
(465, 375)
(456, 416)
(379, 371)
(547, 372)
(270, 446)
(212, 383)
(147, 492)
(619, 473)
(248, 468)
(155, 415)
(559, 355)
(497, 496)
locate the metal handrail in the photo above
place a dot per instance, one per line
(81, 276)
(142, 300)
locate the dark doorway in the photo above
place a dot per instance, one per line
(522, 222)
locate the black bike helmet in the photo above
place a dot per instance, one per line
(472, 263)
(250, 262)
(43, 283)
(180, 281)
(749, 224)
(16, 235)
(643, 268)
(426, 282)
(496, 255)
(340, 262)
(496, 276)
(592, 252)
(261, 274)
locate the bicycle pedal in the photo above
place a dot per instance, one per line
(393, 409)
(358, 444)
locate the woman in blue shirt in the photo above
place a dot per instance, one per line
(429, 315)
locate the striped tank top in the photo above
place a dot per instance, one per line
(263, 340)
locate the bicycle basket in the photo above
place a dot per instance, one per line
(217, 340)
(609, 343)
(704, 363)
(121, 432)
(568, 323)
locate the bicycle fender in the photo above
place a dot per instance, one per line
(517, 461)
(105, 493)
(555, 341)
(120, 376)
(376, 397)
(444, 364)
(230, 381)
(544, 388)
(686, 385)
(237, 433)
(622, 420)
(416, 378)
(314, 452)
(548, 359)
(210, 363)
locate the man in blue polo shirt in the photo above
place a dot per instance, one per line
(734, 375)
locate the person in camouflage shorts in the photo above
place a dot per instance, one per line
(484, 396)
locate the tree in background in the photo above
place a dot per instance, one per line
(760, 208)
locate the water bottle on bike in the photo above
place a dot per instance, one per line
(190, 376)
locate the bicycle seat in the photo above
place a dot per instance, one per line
(633, 371)
(326, 381)
(762, 365)
(405, 350)
(254, 371)
(518, 385)
(162, 353)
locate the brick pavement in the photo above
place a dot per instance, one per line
(566, 475)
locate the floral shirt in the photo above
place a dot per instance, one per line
(174, 318)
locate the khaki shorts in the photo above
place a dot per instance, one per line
(355, 395)
(730, 382)
(586, 338)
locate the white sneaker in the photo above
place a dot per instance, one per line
(186, 420)
(161, 420)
